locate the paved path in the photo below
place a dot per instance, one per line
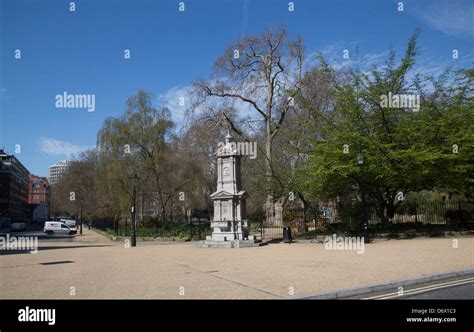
(93, 267)
(463, 292)
(458, 287)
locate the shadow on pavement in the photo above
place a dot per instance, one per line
(14, 252)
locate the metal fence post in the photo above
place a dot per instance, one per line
(416, 212)
(199, 228)
(459, 211)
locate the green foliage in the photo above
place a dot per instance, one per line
(256, 217)
(142, 142)
(404, 150)
(301, 146)
(180, 231)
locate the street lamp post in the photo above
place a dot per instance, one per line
(135, 179)
(80, 228)
(360, 162)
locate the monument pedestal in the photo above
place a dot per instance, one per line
(228, 239)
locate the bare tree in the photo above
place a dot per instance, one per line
(263, 74)
(77, 186)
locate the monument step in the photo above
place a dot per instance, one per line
(231, 244)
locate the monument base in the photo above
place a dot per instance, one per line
(209, 243)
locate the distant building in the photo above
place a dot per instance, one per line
(14, 178)
(38, 198)
(37, 189)
(56, 170)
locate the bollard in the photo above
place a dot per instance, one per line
(287, 235)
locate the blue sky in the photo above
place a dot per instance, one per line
(81, 52)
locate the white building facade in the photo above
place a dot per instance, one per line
(56, 170)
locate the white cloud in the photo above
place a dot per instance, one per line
(184, 94)
(451, 17)
(334, 56)
(54, 147)
(178, 100)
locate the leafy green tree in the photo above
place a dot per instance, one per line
(405, 149)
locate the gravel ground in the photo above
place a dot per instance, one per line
(101, 269)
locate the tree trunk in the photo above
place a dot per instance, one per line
(270, 204)
(390, 211)
(163, 215)
(380, 210)
(305, 208)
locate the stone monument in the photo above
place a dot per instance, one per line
(229, 230)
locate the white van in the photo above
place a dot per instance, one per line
(71, 223)
(57, 227)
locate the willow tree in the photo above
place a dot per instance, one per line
(260, 74)
(142, 142)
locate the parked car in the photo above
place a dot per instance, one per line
(18, 226)
(57, 227)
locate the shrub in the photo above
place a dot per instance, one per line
(453, 216)
(182, 231)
